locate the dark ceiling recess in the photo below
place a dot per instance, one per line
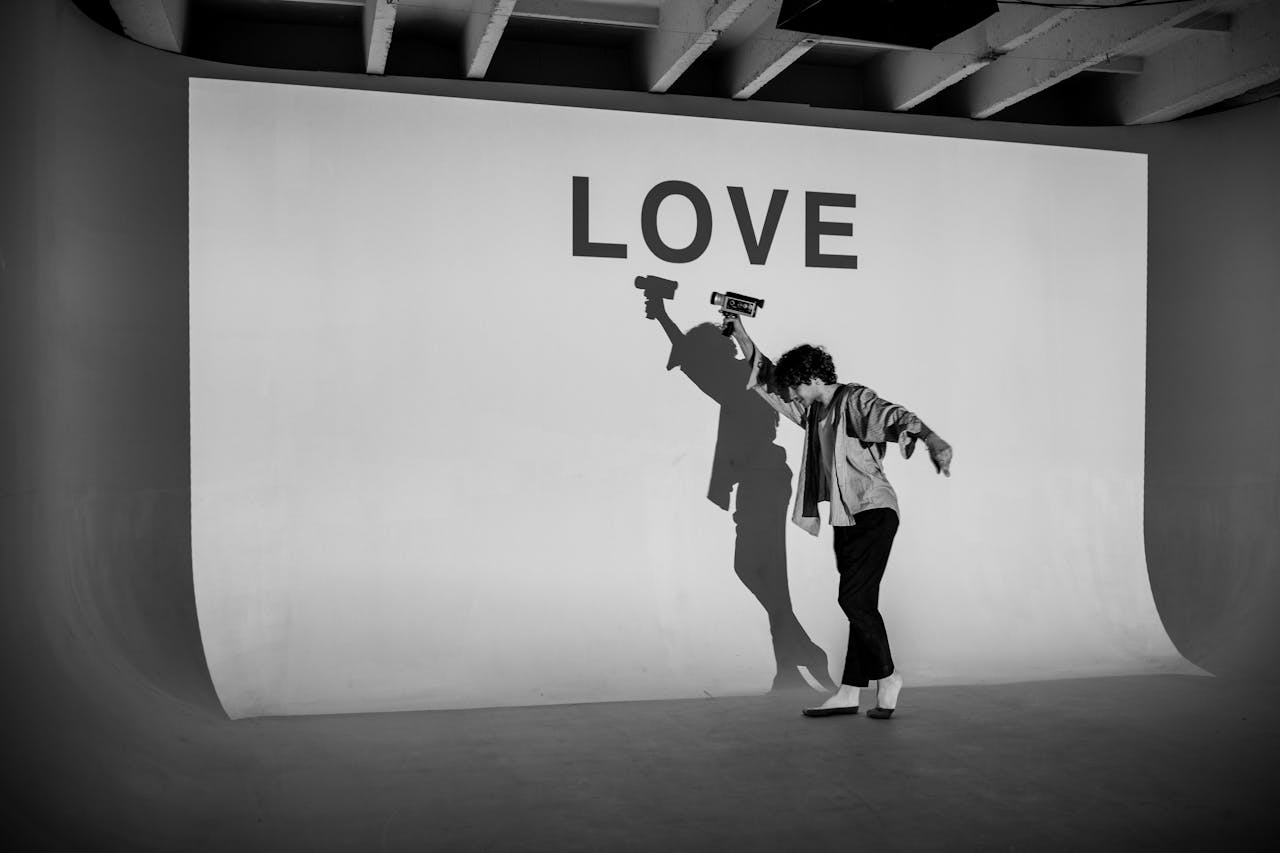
(101, 13)
(911, 23)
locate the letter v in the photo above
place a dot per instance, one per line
(757, 249)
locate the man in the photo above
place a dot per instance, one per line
(846, 429)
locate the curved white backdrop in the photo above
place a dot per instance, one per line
(437, 460)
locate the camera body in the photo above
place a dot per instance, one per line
(737, 303)
(733, 305)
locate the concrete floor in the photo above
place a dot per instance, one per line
(1132, 763)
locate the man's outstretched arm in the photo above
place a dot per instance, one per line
(872, 418)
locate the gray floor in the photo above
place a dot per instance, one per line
(1133, 763)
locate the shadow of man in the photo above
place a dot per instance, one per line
(746, 457)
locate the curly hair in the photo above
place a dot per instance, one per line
(802, 364)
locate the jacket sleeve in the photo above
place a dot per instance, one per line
(761, 381)
(871, 418)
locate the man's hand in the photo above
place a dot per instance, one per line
(939, 454)
(745, 344)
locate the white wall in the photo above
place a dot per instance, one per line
(437, 460)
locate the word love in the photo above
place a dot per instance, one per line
(756, 242)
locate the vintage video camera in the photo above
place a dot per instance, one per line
(735, 305)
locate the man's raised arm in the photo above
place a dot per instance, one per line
(761, 377)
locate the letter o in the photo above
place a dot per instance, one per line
(649, 222)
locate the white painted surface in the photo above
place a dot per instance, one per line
(437, 460)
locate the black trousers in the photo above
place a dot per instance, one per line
(862, 552)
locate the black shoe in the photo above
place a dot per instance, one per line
(829, 712)
(878, 713)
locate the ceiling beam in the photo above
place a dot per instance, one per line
(686, 28)
(158, 23)
(764, 56)
(899, 80)
(760, 51)
(379, 21)
(1197, 73)
(589, 12)
(483, 31)
(1087, 39)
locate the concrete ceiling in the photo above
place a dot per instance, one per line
(1088, 62)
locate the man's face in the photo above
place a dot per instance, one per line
(805, 394)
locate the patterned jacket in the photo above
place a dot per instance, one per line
(864, 423)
